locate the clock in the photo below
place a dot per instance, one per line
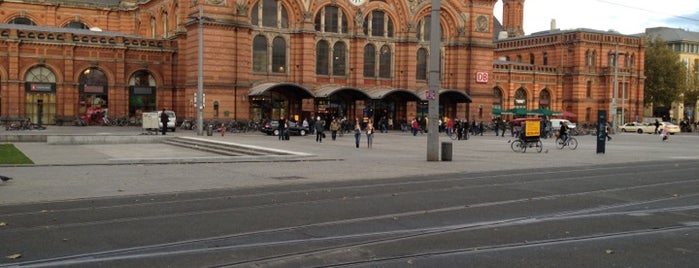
(357, 2)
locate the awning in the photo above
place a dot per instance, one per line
(328, 90)
(378, 93)
(454, 94)
(261, 89)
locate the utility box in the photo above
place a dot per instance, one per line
(150, 122)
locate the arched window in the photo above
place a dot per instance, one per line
(369, 60)
(269, 13)
(497, 99)
(322, 57)
(165, 24)
(519, 58)
(259, 54)
(532, 58)
(331, 19)
(75, 25)
(385, 62)
(40, 74)
(545, 99)
(521, 98)
(423, 29)
(279, 55)
(153, 30)
(546, 58)
(611, 60)
(593, 61)
(421, 68)
(587, 58)
(378, 24)
(588, 89)
(21, 20)
(339, 59)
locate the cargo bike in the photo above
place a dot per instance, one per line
(529, 136)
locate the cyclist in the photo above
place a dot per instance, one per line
(563, 131)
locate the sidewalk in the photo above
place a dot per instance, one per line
(96, 170)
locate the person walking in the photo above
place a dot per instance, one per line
(164, 119)
(657, 126)
(607, 129)
(357, 133)
(334, 127)
(319, 127)
(369, 134)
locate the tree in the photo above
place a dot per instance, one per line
(665, 74)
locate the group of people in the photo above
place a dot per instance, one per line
(318, 126)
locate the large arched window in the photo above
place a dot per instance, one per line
(423, 29)
(385, 62)
(153, 27)
(421, 68)
(369, 60)
(378, 24)
(22, 20)
(322, 57)
(339, 59)
(279, 55)
(40, 74)
(331, 19)
(269, 13)
(259, 54)
(521, 98)
(75, 25)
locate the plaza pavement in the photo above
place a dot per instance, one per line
(63, 172)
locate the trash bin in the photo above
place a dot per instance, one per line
(209, 130)
(446, 151)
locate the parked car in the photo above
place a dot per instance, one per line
(671, 128)
(171, 120)
(272, 128)
(637, 127)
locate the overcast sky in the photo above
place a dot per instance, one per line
(624, 16)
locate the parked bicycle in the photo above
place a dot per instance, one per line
(571, 142)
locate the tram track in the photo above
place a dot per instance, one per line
(336, 233)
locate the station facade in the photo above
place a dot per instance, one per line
(263, 59)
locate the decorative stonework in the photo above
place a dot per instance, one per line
(242, 7)
(482, 23)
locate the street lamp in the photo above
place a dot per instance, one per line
(200, 72)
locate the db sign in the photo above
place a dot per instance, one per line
(481, 77)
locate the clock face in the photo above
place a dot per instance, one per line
(357, 2)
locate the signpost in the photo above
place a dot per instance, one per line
(601, 130)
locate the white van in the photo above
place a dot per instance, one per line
(556, 123)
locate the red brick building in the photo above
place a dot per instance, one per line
(296, 58)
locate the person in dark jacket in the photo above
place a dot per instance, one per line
(164, 119)
(320, 127)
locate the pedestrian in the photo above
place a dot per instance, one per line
(369, 134)
(480, 128)
(164, 119)
(657, 125)
(281, 127)
(497, 127)
(606, 131)
(664, 134)
(334, 127)
(319, 127)
(357, 133)
(415, 126)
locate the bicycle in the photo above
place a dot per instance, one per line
(571, 142)
(521, 145)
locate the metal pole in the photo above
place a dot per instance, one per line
(200, 76)
(612, 108)
(623, 100)
(433, 91)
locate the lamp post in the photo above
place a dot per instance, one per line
(199, 102)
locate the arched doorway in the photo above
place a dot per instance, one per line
(142, 93)
(93, 97)
(270, 101)
(40, 97)
(545, 99)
